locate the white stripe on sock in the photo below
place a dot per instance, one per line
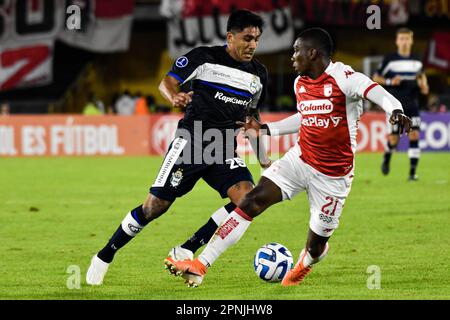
(130, 226)
(414, 152)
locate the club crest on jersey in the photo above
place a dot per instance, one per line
(176, 178)
(328, 89)
(182, 62)
(254, 85)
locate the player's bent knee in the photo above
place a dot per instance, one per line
(154, 207)
(393, 140)
(414, 135)
(237, 192)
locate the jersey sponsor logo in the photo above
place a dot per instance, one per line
(233, 100)
(322, 106)
(182, 62)
(316, 122)
(335, 120)
(170, 160)
(227, 227)
(321, 122)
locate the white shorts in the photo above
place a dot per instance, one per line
(326, 194)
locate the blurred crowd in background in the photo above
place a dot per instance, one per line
(106, 67)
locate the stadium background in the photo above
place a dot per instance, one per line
(49, 73)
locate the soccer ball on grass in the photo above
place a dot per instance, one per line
(272, 261)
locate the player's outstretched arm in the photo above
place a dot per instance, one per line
(287, 125)
(391, 106)
(169, 90)
(422, 82)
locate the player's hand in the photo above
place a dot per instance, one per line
(399, 118)
(266, 165)
(182, 99)
(396, 81)
(250, 127)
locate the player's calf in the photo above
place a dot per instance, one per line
(414, 155)
(131, 225)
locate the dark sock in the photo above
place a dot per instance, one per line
(414, 153)
(205, 233)
(388, 152)
(120, 237)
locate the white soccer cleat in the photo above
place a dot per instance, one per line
(178, 253)
(97, 271)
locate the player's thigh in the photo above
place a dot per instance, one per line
(393, 131)
(327, 197)
(289, 173)
(414, 114)
(238, 191)
(177, 176)
(414, 134)
(230, 178)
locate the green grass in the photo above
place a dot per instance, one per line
(57, 212)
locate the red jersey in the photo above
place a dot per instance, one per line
(330, 107)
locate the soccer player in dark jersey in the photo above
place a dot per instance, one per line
(227, 85)
(402, 75)
(329, 104)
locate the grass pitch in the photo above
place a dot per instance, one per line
(57, 212)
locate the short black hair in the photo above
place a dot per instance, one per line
(241, 19)
(319, 39)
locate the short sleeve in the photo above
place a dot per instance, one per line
(186, 67)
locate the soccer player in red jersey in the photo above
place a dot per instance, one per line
(329, 104)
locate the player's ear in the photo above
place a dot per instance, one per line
(313, 54)
(230, 37)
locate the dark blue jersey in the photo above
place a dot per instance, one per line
(408, 68)
(224, 89)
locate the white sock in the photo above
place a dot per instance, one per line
(228, 233)
(309, 261)
(219, 215)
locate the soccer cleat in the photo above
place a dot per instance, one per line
(413, 177)
(97, 271)
(192, 268)
(297, 274)
(179, 253)
(385, 168)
